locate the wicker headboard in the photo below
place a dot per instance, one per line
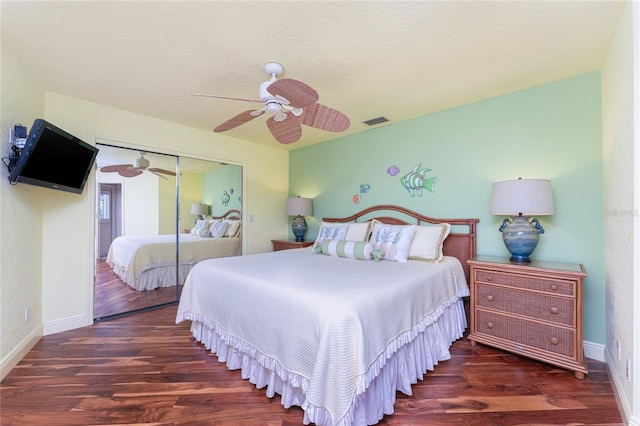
(231, 215)
(461, 245)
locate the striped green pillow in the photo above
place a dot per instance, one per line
(360, 250)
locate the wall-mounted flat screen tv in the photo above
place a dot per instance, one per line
(54, 159)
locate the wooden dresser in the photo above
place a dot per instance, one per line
(289, 244)
(532, 309)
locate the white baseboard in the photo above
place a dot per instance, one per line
(65, 324)
(15, 356)
(625, 406)
(594, 351)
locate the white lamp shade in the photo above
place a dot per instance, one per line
(199, 209)
(529, 197)
(298, 206)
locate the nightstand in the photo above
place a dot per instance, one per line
(289, 244)
(531, 309)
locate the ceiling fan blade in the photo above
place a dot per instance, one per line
(227, 97)
(166, 172)
(153, 172)
(236, 121)
(325, 118)
(115, 168)
(129, 173)
(298, 94)
(286, 131)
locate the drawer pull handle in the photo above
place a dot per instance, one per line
(490, 298)
(490, 325)
(554, 287)
(489, 278)
(554, 341)
(554, 310)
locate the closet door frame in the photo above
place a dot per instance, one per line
(178, 221)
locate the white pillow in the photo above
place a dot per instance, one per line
(201, 232)
(393, 240)
(427, 242)
(358, 231)
(200, 224)
(329, 232)
(211, 223)
(218, 229)
(233, 226)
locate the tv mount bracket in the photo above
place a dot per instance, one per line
(17, 140)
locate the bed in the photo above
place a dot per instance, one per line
(146, 262)
(335, 333)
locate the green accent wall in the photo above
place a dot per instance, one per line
(551, 132)
(216, 182)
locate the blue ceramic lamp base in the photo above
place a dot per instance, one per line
(521, 237)
(299, 228)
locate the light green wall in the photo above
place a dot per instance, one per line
(216, 182)
(551, 131)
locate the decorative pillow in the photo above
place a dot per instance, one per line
(329, 232)
(427, 242)
(201, 232)
(200, 224)
(360, 250)
(233, 227)
(211, 223)
(393, 240)
(218, 229)
(358, 231)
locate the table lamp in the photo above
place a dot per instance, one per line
(299, 207)
(199, 209)
(521, 199)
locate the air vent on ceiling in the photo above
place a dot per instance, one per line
(376, 120)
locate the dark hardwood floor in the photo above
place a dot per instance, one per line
(145, 369)
(113, 296)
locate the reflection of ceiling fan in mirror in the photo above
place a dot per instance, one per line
(136, 169)
(290, 103)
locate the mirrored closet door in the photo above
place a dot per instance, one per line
(148, 204)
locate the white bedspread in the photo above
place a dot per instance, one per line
(131, 257)
(325, 324)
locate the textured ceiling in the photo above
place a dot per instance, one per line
(365, 58)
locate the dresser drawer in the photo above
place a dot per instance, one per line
(526, 282)
(556, 309)
(546, 337)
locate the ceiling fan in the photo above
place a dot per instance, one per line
(139, 166)
(290, 103)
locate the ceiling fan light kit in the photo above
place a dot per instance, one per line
(291, 103)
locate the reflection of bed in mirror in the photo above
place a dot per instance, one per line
(146, 262)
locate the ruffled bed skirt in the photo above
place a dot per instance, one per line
(154, 276)
(402, 369)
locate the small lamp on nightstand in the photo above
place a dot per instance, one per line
(200, 210)
(299, 207)
(521, 199)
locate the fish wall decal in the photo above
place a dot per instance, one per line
(415, 181)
